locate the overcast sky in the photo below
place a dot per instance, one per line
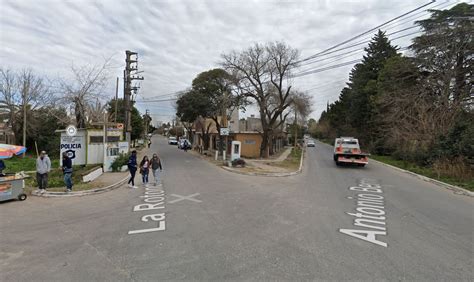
(176, 40)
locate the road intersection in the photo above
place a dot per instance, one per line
(217, 225)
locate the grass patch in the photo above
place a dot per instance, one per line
(56, 179)
(425, 171)
(292, 161)
(28, 163)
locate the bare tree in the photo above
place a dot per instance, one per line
(85, 88)
(95, 111)
(21, 94)
(261, 73)
(10, 98)
(301, 107)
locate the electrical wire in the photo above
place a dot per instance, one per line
(393, 25)
(365, 32)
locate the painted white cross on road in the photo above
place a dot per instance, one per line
(180, 198)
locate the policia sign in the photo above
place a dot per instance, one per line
(75, 147)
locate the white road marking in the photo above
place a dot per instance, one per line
(154, 198)
(181, 198)
(371, 213)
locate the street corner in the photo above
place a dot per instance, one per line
(253, 171)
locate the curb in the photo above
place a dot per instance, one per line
(270, 174)
(456, 189)
(79, 193)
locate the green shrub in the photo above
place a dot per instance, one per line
(238, 162)
(120, 161)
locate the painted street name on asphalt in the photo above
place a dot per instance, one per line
(370, 213)
(154, 199)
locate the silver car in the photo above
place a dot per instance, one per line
(172, 140)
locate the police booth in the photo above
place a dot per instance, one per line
(86, 147)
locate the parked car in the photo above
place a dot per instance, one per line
(172, 140)
(310, 143)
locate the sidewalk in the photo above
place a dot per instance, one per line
(279, 166)
(105, 182)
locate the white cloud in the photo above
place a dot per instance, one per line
(178, 39)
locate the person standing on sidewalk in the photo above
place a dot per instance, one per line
(155, 165)
(43, 167)
(144, 170)
(67, 171)
(132, 167)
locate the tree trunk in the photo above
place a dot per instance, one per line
(264, 153)
(80, 118)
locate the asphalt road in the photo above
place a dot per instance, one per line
(236, 227)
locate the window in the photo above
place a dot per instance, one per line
(113, 152)
(249, 142)
(113, 138)
(100, 139)
(96, 139)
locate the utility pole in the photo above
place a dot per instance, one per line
(104, 143)
(116, 99)
(26, 87)
(147, 122)
(296, 129)
(130, 74)
(224, 109)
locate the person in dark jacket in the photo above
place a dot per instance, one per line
(67, 171)
(132, 167)
(155, 165)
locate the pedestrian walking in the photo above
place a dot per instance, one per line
(186, 145)
(144, 170)
(67, 171)
(132, 168)
(43, 167)
(155, 165)
(149, 143)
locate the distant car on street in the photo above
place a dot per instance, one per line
(310, 143)
(172, 140)
(150, 135)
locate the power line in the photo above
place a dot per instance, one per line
(390, 26)
(320, 69)
(157, 101)
(364, 33)
(165, 95)
(327, 68)
(359, 49)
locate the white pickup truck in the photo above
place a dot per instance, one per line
(347, 150)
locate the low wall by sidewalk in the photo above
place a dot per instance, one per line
(92, 175)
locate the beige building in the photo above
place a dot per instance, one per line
(247, 131)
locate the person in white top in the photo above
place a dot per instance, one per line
(43, 167)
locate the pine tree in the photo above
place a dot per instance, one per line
(355, 112)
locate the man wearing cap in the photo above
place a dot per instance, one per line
(43, 166)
